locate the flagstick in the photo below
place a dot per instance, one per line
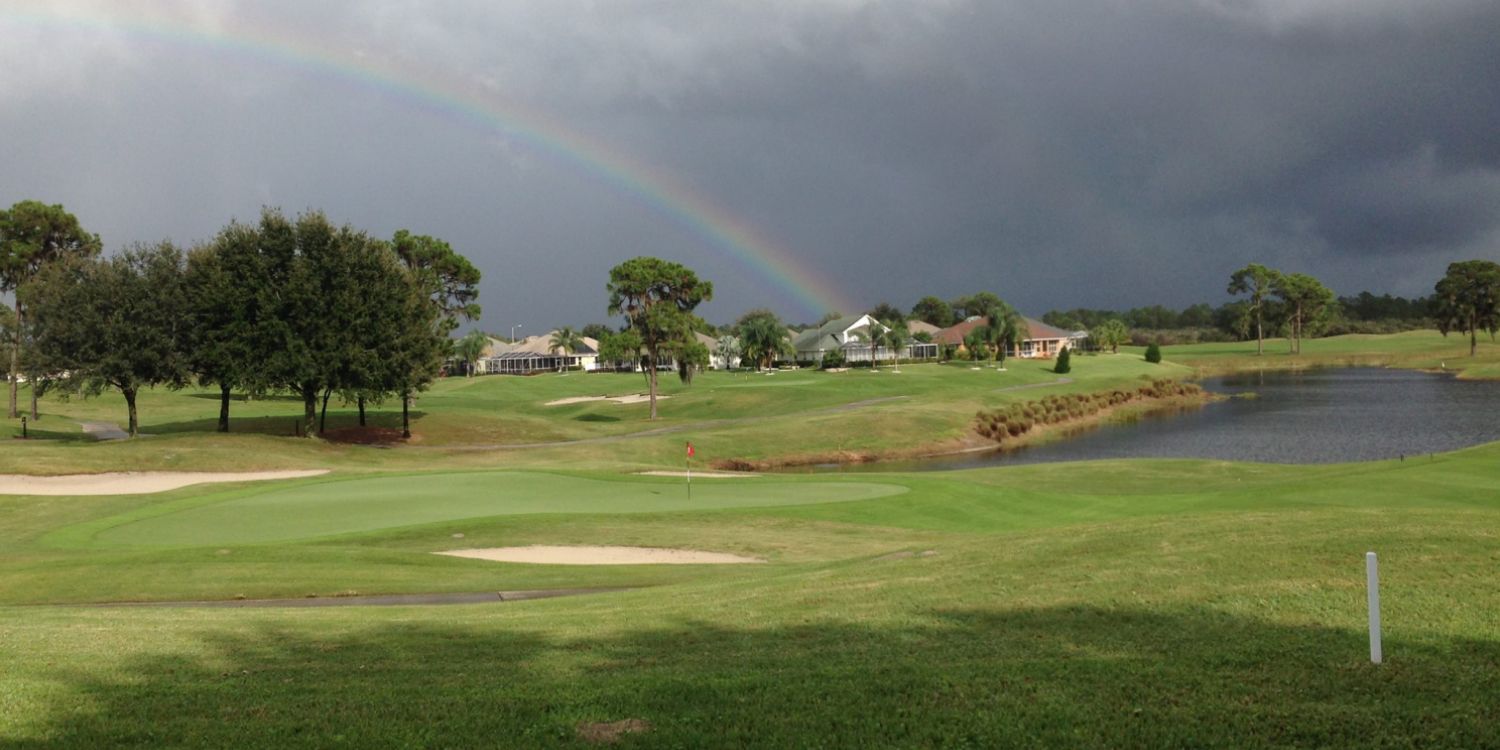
(689, 460)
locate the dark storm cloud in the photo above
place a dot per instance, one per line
(1061, 154)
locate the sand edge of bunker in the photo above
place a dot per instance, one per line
(632, 398)
(133, 482)
(544, 554)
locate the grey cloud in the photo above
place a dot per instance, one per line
(1061, 154)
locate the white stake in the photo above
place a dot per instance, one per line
(1372, 572)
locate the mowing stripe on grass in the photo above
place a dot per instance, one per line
(341, 507)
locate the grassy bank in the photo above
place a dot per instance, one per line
(1414, 350)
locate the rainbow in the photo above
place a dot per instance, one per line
(447, 97)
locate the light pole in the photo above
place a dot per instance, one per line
(513, 332)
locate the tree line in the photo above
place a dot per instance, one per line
(285, 305)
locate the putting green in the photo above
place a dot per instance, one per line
(340, 507)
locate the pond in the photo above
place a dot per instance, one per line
(1294, 417)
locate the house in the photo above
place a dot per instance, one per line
(533, 354)
(716, 360)
(1043, 341)
(848, 335)
(922, 326)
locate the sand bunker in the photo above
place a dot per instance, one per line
(132, 483)
(634, 398)
(547, 555)
(704, 474)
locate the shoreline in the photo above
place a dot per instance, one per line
(972, 441)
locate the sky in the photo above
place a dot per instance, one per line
(804, 155)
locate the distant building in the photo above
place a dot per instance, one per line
(533, 354)
(1043, 340)
(849, 335)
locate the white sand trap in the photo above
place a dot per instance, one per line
(548, 555)
(634, 398)
(132, 483)
(704, 474)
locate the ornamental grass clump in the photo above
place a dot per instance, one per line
(1018, 419)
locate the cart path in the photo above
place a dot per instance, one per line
(656, 432)
(104, 430)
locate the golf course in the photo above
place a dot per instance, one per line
(1104, 604)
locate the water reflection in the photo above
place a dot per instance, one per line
(1303, 417)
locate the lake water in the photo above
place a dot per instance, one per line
(1305, 417)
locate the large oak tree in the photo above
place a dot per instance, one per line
(1468, 300)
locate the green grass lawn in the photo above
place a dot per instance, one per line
(1422, 350)
(1112, 604)
(1116, 604)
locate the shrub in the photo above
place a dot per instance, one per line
(1064, 364)
(1153, 353)
(833, 359)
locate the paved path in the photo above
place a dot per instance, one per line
(391, 600)
(658, 431)
(1059, 381)
(104, 430)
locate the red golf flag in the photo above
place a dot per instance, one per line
(690, 449)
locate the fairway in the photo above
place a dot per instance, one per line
(342, 507)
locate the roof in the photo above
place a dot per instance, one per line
(954, 335)
(822, 338)
(706, 340)
(1037, 331)
(1040, 330)
(922, 326)
(539, 345)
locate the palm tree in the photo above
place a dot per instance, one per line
(897, 337)
(975, 343)
(566, 339)
(763, 340)
(1008, 328)
(876, 335)
(729, 349)
(1111, 333)
(471, 348)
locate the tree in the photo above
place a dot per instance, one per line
(887, 313)
(1467, 299)
(897, 337)
(595, 331)
(829, 317)
(448, 279)
(976, 305)
(1303, 298)
(567, 341)
(470, 348)
(1257, 281)
(1007, 329)
(729, 350)
(1110, 333)
(876, 335)
(226, 281)
(763, 339)
(654, 296)
(976, 342)
(620, 347)
(1153, 353)
(122, 322)
(1064, 364)
(34, 235)
(1197, 316)
(933, 310)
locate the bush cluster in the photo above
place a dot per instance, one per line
(1017, 419)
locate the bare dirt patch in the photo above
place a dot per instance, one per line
(558, 555)
(603, 733)
(133, 483)
(633, 398)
